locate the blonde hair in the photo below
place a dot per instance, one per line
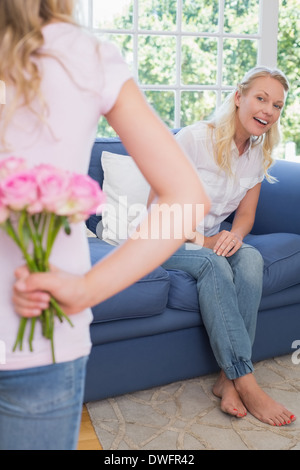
(223, 123)
(21, 39)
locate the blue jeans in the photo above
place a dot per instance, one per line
(40, 408)
(229, 293)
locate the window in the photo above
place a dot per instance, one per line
(289, 62)
(187, 55)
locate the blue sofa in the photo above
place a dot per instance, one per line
(152, 333)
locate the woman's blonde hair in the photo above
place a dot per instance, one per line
(21, 40)
(223, 122)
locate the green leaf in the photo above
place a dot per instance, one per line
(66, 225)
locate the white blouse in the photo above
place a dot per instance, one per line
(224, 191)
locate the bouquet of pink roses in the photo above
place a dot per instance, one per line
(34, 205)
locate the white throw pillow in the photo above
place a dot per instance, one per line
(126, 193)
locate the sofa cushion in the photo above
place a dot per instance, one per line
(145, 298)
(126, 193)
(183, 292)
(281, 254)
(281, 299)
(110, 144)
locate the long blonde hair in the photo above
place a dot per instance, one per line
(21, 39)
(223, 123)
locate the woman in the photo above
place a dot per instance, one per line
(232, 153)
(59, 80)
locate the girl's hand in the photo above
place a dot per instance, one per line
(31, 292)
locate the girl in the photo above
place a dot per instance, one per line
(59, 81)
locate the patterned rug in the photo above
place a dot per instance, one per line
(186, 416)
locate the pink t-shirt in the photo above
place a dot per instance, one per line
(78, 88)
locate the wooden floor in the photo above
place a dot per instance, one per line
(87, 437)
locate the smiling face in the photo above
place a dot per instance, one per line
(258, 108)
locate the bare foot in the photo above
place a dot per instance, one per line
(259, 404)
(231, 402)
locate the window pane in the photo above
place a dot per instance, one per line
(224, 95)
(241, 16)
(200, 15)
(159, 15)
(112, 14)
(289, 63)
(199, 61)
(164, 104)
(239, 56)
(157, 60)
(104, 129)
(150, 43)
(196, 106)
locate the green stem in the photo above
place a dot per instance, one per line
(36, 219)
(19, 241)
(20, 335)
(11, 232)
(49, 243)
(55, 224)
(46, 317)
(36, 226)
(32, 328)
(38, 249)
(51, 332)
(59, 312)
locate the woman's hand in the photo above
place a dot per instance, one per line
(224, 243)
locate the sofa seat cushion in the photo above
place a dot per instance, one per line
(281, 254)
(169, 321)
(145, 298)
(283, 298)
(183, 291)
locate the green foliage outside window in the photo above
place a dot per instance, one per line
(289, 62)
(199, 55)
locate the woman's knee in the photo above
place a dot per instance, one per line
(252, 255)
(251, 264)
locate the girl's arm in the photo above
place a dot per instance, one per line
(176, 184)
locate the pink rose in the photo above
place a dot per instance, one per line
(86, 196)
(11, 165)
(19, 190)
(54, 188)
(46, 188)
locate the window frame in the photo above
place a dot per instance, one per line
(266, 45)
